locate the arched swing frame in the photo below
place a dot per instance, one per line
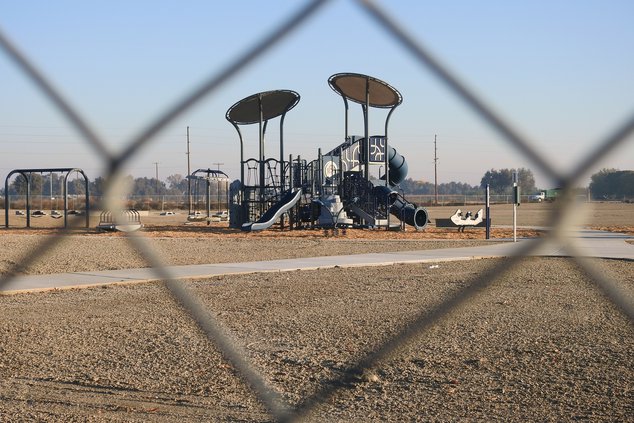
(26, 174)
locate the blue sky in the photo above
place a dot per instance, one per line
(561, 72)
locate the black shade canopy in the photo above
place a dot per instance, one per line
(272, 104)
(353, 87)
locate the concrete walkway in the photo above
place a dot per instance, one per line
(589, 244)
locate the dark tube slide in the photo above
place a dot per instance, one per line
(407, 212)
(398, 167)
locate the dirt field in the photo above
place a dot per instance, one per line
(541, 344)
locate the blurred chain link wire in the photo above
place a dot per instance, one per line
(205, 319)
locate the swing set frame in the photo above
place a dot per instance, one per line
(26, 174)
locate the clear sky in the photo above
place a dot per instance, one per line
(561, 72)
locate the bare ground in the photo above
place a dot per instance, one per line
(541, 344)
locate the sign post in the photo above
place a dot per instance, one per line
(487, 202)
(516, 202)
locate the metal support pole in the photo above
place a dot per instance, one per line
(218, 184)
(488, 212)
(208, 199)
(366, 130)
(514, 222)
(28, 200)
(318, 174)
(87, 206)
(291, 186)
(262, 181)
(514, 207)
(189, 181)
(436, 173)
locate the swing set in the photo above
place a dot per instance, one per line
(206, 177)
(28, 174)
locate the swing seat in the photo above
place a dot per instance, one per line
(38, 213)
(197, 217)
(221, 216)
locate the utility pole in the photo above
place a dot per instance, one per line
(157, 179)
(435, 172)
(189, 181)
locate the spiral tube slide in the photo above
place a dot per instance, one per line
(400, 207)
(398, 167)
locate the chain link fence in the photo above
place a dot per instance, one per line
(215, 332)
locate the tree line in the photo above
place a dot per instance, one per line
(50, 186)
(499, 181)
(612, 184)
(605, 184)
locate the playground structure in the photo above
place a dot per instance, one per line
(27, 174)
(338, 189)
(128, 221)
(207, 176)
(462, 221)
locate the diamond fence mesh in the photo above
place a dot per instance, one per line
(214, 331)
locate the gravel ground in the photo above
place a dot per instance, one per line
(104, 252)
(540, 345)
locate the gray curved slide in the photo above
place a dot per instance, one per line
(270, 217)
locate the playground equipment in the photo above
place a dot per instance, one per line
(462, 221)
(265, 191)
(27, 174)
(336, 189)
(468, 219)
(220, 178)
(128, 221)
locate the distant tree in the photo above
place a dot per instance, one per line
(412, 187)
(457, 188)
(526, 180)
(501, 181)
(97, 186)
(176, 184)
(612, 184)
(77, 186)
(18, 185)
(147, 186)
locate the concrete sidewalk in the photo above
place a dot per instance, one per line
(588, 244)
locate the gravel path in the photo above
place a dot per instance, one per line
(540, 345)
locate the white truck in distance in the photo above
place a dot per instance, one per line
(538, 198)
